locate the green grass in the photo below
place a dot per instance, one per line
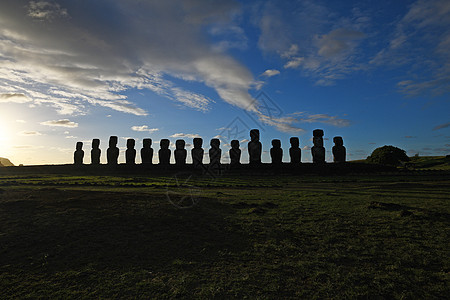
(380, 236)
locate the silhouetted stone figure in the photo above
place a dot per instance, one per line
(215, 153)
(147, 151)
(295, 152)
(276, 153)
(130, 154)
(254, 147)
(339, 152)
(164, 152)
(318, 151)
(235, 153)
(197, 153)
(78, 155)
(112, 154)
(180, 153)
(95, 152)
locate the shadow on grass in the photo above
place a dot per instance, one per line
(59, 230)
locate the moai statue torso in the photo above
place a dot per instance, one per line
(276, 153)
(339, 152)
(164, 152)
(295, 152)
(254, 147)
(95, 152)
(130, 154)
(215, 153)
(235, 153)
(180, 153)
(197, 152)
(318, 151)
(112, 154)
(147, 151)
(78, 155)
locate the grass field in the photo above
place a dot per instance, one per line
(380, 236)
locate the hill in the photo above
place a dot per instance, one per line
(430, 162)
(4, 162)
(422, 162)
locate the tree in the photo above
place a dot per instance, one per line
(388, 155)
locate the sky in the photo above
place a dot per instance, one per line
(374, 72)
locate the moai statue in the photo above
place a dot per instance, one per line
(215, 153)
(235, 153)
(339, 152)
(130, 154)
(78, 155)
(164, 152)
(318, 151)
(295, 152)
(147, 151)
(95, 152)
(112, 154)
(276, 153)
(254, 147)
(197, 153)
(180, 153)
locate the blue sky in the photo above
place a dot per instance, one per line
(375, 73)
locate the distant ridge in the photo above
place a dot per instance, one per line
(4, 162)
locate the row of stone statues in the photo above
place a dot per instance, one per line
(215, 153)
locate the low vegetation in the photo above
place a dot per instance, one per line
(380, 236)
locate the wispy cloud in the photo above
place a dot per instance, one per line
(442, 126)
(313, 39)
(29, 133)
(322, 118)
(144, 128)
(60, 123)
(185, 135)
(425, 26)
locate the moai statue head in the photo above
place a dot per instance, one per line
(235, 144)
(295, 142)
(147, 143)
(318, 137)
(198, 143)
(254, 135)
(276, 144)
(78, 154)
(338, 141)
(164, 144)
(179, 144)
(215, 143)
(95, 143)
(131, 143)
(112, 141)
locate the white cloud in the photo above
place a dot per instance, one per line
(144, 128)
(185, 135)
(61, 123)
(72, 59)
(21, 121)
(270, 73)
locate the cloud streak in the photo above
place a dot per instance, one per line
(144, 128)
(60, 123)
